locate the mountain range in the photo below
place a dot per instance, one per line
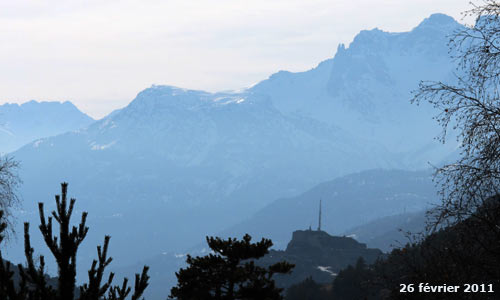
(176, 165)
(399, 196)
(346, 203)
(21, 124)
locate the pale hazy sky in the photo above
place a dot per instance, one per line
(100, 53)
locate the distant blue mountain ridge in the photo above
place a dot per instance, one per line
(21, 124)
(176, 165)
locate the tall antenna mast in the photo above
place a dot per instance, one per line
(319, 219)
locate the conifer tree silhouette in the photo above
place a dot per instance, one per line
(33, 283)
(230, 272)
(65, 248)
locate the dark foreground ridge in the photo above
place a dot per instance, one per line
(319, 255)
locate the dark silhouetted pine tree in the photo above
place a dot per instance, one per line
(33, 283)
(230, 272)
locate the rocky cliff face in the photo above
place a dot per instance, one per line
(319, 255)
(321, 241)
